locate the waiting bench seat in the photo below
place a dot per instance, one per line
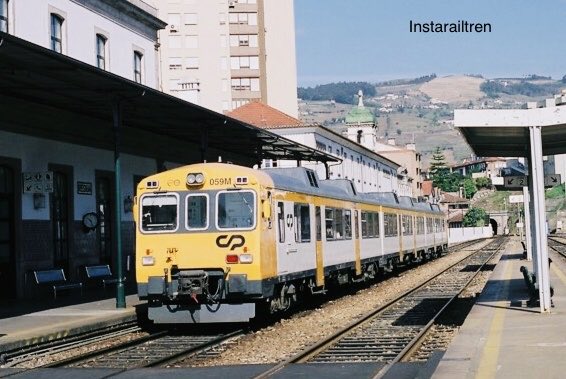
(56, 279)
(100, 272)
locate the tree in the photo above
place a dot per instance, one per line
(483, 182)
(439, 172)
(475, 217)
(469, 188)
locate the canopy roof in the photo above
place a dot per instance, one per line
(505, 132)
(50, 95)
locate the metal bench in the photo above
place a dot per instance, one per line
(100, 272)
(56, 279)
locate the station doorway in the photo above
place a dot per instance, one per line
(7, 235)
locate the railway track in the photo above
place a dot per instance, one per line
(558, 245)
(158, 349)
(393, 332)
(36, 351)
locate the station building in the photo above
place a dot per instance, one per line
(369, 171)
(80, 108)
(223, 54)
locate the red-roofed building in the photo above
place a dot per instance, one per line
(369, 171)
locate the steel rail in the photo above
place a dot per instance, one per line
(323, 344)
(24, 354)
(418, 339)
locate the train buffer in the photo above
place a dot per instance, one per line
(532, 287)
(55, 278)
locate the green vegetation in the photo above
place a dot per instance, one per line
(555, 192)
(483, 182)
(342, 92)
(493, 88)
(475, 217)
(397, 82)
(449, 181)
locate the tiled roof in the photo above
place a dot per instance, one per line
(447, 198)
(264, 116)
(427, 187)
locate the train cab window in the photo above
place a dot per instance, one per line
(197, 212)
(348, 224)
(302, 223)
(281, 221)
(235, 210)
(390, 225)
(159, 213)
(407, 223)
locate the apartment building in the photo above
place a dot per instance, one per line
(222, 54)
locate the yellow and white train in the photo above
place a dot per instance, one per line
(218, 242)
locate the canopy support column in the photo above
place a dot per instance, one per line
(536, 187)
(120, 292)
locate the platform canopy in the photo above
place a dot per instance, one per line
(50, 95)
(505, 133)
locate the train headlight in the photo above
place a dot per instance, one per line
(195, 179)
(246, 258)
(148, 260)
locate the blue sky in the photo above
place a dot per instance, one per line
(351, 40)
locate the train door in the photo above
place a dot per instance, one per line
(286, 246)
(357, 248)
(62, 215)
(319, 252)
(7, 239)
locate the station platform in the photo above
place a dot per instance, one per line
(24, 323)
(502, 337)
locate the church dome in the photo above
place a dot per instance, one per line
(360, 114)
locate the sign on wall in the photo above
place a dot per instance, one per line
(84, 188)
(37, 182)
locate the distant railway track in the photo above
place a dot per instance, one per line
(158, 349)
(558, 244)
(394, 331)
(33, 352)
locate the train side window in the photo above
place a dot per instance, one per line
(429, 225)
(302, 223)
(339, 224)
(197, 212)
(318, 224)
(347, 224)
(407, 223)
(365, 224)
(281, 221)
(329, 223)
(390, 225)
(356, 225)
(375, 225)
(420, 225)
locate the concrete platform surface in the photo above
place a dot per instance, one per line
(52, 323)
(502, 337)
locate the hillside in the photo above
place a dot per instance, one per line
(421, 110)
(454, 89)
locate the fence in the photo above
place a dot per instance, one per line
(456, 235)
